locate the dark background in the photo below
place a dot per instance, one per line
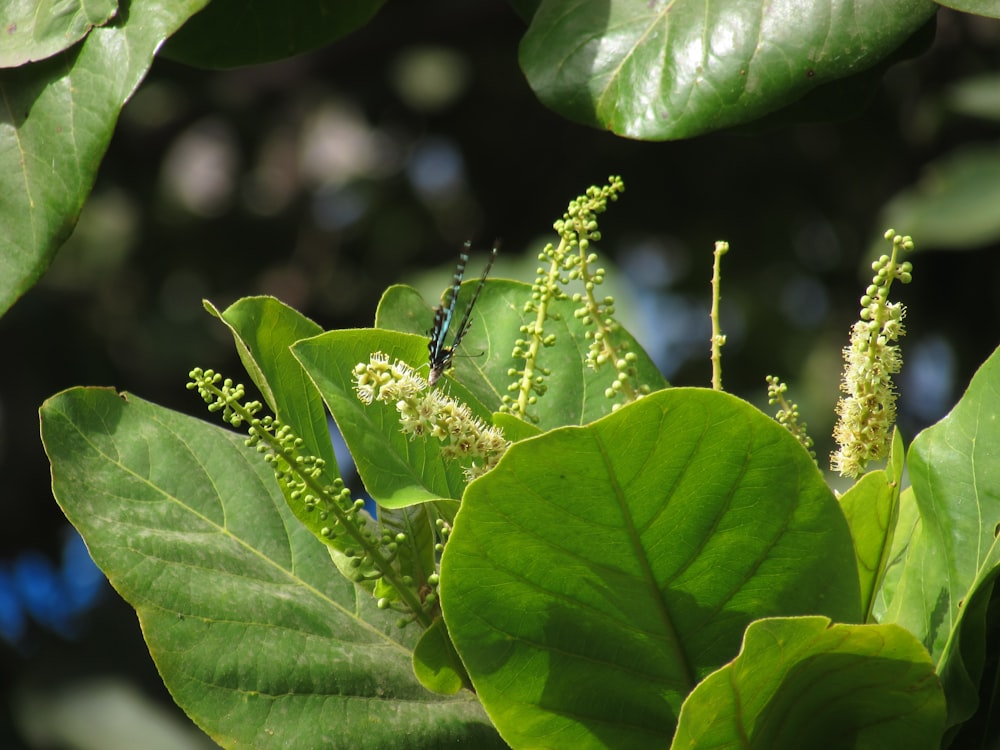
(323, 179)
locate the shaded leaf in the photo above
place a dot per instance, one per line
(254, 633)
(806, 682)
(667, 70)
(954, 203)
(435, 662)
(988, 8)
(977, 96)
(598, 573)
(58, 116)
(33, 29)
(231, 33)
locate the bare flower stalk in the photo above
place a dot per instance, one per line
(718, 338)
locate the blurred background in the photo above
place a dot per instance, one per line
(325, 178)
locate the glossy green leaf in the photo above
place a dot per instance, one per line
(805, 682)
(948, 569)
(677, 69)
(954, 203)
(231, 33)
(256, 636)
(598, 573)
(36, 29)
(871, 510)
(575, 392)
(58, 116)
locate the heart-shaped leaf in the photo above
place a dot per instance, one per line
(598, 573)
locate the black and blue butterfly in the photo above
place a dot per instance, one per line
(444, 314)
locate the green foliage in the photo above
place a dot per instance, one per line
(673, 570)
(641, 70)
(675, 70)
(944, 569)
(953, 205)
(634, 571)
(826, 685)
(59, 114)
(35, 31)
(252, 630)
(631, 555)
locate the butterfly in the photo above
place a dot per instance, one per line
(444, 314)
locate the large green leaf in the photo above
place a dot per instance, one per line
(229, 33)
(36, 29)
(805, 682)
(942, 589)
(598, 573)
(256, 636)
(679, 68)
(575, 392)
(56, 118)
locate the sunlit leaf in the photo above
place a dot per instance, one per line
(941, 591)
(34, 30)
(871, 510)
(598, 573)
(679, 68)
